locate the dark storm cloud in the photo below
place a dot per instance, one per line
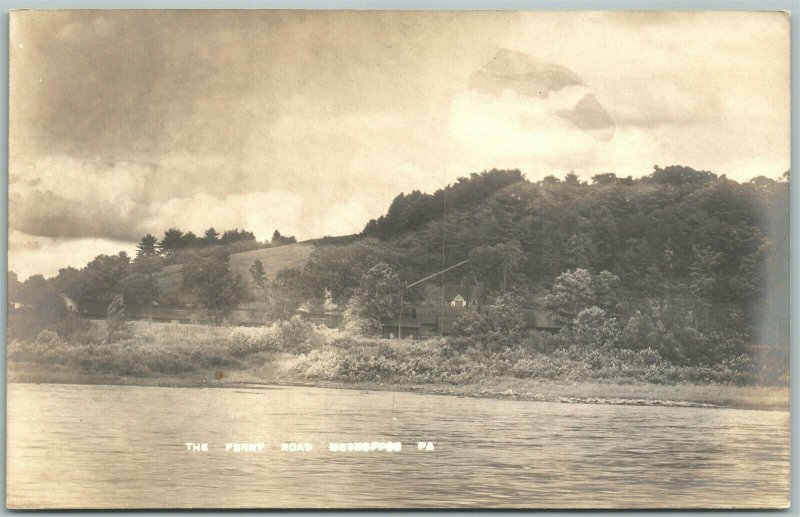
(47, 214)
(102, 84)
(145, 119)
(143, 82)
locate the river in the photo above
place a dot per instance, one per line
(76, 446)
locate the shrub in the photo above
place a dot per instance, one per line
(246, 341)
(49, 340)
(320, 364)
(472, 323)
(592, 328)
(298, 335)
(544, 342)
(117, 320)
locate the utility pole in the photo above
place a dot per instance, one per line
(505, 272)
(400, 314)
(409, 286)
(444, 233)
(150, 301)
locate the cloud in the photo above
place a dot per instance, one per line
(674, 102)
(510, 130)
(45, 255)
(259, 212)
(306, 193)
(49, 232)
(128, 122)
(343, 218)
(44, 213)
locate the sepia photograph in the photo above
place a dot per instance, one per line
(383, 259)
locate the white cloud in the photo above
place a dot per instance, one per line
(29, 255)
(259, 212)
(80, 180)
(342, 219)
(512, 131)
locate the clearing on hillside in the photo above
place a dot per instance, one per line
(273, 259)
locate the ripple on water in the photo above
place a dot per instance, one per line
(122, 446)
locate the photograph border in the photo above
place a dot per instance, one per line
(792, 7)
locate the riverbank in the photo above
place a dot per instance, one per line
(295, 354)
(767, 398)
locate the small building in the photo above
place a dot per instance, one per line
(540, 319)
(328, 318)
(71, 304)
(405, 327)
(438, 315)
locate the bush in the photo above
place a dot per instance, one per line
(117, 320)
(246, 341)
(472, 323)
(320, 364)
(47, 348)
(297, 334)
(592, 328)
(569, 356)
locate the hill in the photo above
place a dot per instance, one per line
(682, 245)
(273, 260)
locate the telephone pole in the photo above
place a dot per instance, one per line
(409, 286)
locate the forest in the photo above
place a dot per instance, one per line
(688, 264)
(677, 238)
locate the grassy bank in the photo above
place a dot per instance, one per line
(293, 353)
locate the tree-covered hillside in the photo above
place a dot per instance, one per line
(711, 247)
(164, 273)
(690, 264)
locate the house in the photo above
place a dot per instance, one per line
(18, 306)
(440, 309)
(407, 327)
(328, 318)
(540, 319)
(71, 304)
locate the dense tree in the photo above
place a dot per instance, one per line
(188, 240)
(236, 235)
(100, 280)
(139, 290)
(643, 232)
(14, 287)
(147, 246)
(604, 179)
(218, 290)
(498, 266)
(507, 314)
(44, 309)
(574, 291)
(702, 276)
(280, 240)
(339, 269)
(594, 329)
(210, 237)
(171, 242)
(409, 212)
(376, 297)
(650, 246)
(283, 295)
(117, 325)
(257, 273)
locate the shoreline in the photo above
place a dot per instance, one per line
(765, 398)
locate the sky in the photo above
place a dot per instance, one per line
(123, 123)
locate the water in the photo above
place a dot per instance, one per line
(120, 446)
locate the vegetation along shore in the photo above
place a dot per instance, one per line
(295, 353)
(668, 288)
